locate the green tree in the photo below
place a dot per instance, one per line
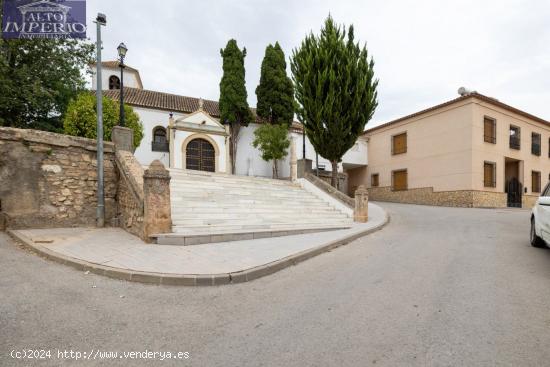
(234, 108)
(81, 118)
(273, 142)
(275, 91)
(335, 90)
(38, 78)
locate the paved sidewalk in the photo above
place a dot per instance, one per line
(116, 253)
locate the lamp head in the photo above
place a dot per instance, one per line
(101, 18)
(122, 49)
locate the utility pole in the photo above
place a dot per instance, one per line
(101, 20)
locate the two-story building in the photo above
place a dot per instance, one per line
(473, 151)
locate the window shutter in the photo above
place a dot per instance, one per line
(399, 143)
(400, 180)
(489, 130)
(535, 181)
(489, 174)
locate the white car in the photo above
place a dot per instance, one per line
(540, 220)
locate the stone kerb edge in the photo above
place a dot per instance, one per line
(191, 279)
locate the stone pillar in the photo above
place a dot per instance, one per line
(157, 215)
(123, 138)
(361, 211)
(293, 162)
(304, 166)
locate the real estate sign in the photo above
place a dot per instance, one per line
(44, 19)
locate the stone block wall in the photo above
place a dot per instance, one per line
(426, 196)
(488, 199)
(50, 180)
(423, 196)
(528, 201)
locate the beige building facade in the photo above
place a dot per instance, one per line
(473, 151)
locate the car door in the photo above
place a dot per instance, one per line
(543, 213)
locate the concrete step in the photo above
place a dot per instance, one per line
(188, 222)
(235, 202)
(206, 204)
(219, 177)
(236, 227)
(215, 211)
(190, 237)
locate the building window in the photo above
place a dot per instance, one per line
(535, 143)
(489, 130)
(489, 174)
(114, 82)
(374, 180)
(535, 181)
(160, 142)
(399, 144)
(515, 137)
(399, 180)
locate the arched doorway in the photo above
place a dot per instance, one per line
(200, 155)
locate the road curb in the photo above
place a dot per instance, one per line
(190, 279)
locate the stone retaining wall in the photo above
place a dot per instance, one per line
(50, 180)
(426, 196)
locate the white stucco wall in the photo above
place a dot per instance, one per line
(130, 77)
(355, 156)
(151, 119)
(249, 161)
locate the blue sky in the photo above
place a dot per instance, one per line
(424, 50)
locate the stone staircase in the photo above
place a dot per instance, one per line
(213, 207)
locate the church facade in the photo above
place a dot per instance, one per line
(186, 133)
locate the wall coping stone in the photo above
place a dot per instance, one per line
(132, 173)
(55, 139)
(332, 191)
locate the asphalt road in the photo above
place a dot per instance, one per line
(436, 287)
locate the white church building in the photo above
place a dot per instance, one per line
(186, 133)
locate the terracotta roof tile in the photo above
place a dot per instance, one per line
(172, 102)
(479, 96)
(163, 101)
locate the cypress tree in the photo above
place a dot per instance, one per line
(335, 89)
(234, 108)
(275, 91)
(275, 106)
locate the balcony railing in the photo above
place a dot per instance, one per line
(515, 142)
(490, 139)
(157, 146)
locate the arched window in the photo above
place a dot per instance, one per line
(160, 141)
(159, 135)
(114, 82)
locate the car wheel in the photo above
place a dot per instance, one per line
(536, 241)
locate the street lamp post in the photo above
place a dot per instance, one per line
(101, 20)
(122, 49)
